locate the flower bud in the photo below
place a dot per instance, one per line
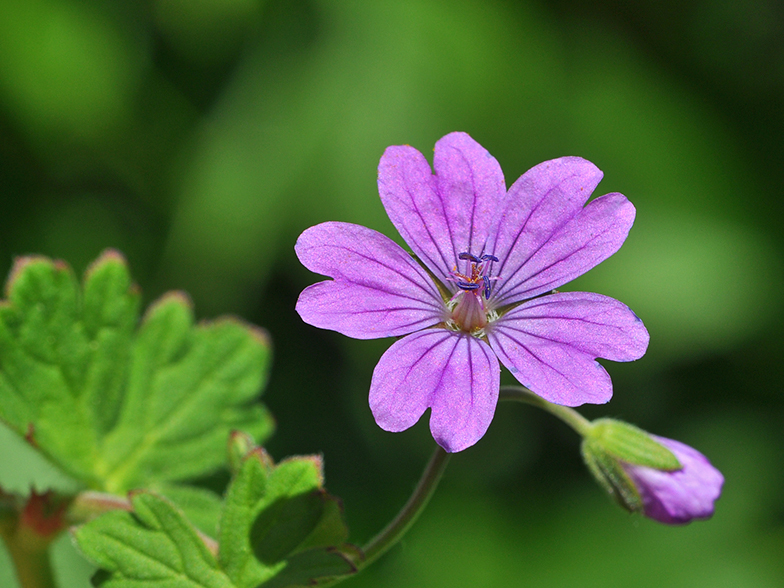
(661, 478)
(240, 444)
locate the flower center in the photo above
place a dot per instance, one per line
(468, 306)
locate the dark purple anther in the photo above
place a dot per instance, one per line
(470, 286)
(468, 256)
(475, 280)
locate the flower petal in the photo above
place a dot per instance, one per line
(550, 344)
(540, 202)
(444, 215)
(472, 187)
(683, 495)
(378, 289)
(455, 374)
(589, 238)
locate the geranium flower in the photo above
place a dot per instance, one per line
(679, 496)
(480, 288)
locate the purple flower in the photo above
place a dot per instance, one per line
(682, 495)
(480, 289)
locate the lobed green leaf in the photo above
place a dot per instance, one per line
(152, 547)
(114, 406)
(202, 507)
(279, 528)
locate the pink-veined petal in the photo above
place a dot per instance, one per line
(471, 185)
(590, 237)
(455, 374)
(442, 215)
(378, 290)
(550, 344)
(538, 204)
(681, 496)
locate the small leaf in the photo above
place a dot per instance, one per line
(240, 444)
(152, 547)
(311, 567)
(115, 407)
(280, 528)
(242, 495)
(283, 525)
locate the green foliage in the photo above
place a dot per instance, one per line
(114, 406)
(278, 529)
(279, 526)
(119, 407)
(153, 545)
(201, 506)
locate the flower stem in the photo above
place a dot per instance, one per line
(89, 504)
(30, 557)
(28, 526)
(395, 530)
(568, 415)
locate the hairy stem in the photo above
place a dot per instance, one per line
(30, 556)
(89, 504)
(395, 530)
(568, 415)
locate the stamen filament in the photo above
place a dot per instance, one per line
(469, 309)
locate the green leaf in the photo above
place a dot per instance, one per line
(114, 406)
(632, 445)
(312, 567)
(280, 528)
(239, 446)
(202, 507)
(152, 547)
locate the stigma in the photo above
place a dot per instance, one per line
(469, 310)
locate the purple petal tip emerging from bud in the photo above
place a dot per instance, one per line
(677, 498)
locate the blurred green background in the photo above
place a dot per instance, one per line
(200, 137)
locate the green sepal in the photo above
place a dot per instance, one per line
(113, 406)
(150, 547)
(611, 476)
(631, 445)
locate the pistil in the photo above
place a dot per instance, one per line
(469, 314)
(468, 306)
